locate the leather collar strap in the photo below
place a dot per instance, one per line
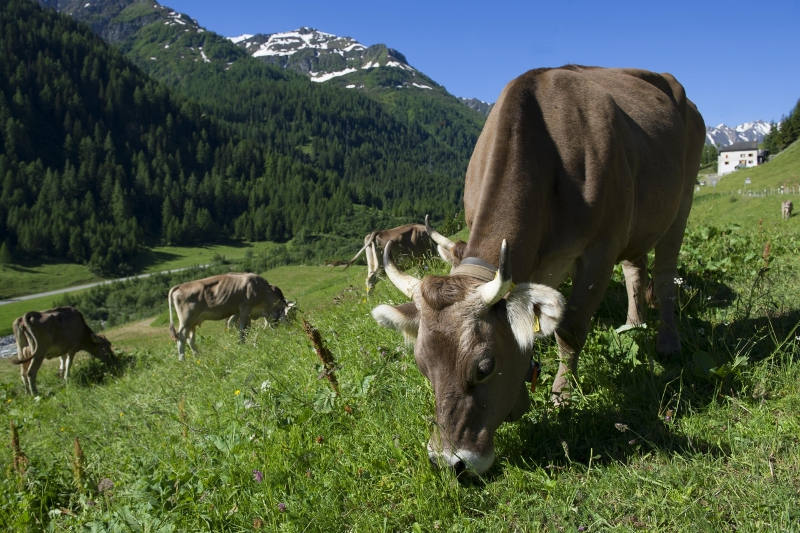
(475, 267)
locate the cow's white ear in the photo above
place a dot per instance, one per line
(404, 318)
(533, 311)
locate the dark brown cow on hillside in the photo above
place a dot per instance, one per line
(411, 239)
(59, 332)
(577, 168)
(219, 297)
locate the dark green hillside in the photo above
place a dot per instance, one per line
(97, 159)
(89, 145)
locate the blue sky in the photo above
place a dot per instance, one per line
(739, 61)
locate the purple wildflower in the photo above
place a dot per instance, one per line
(258, 476)
(282, 507)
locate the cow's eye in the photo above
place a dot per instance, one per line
(484, 369)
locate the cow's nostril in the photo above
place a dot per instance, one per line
(459, 466)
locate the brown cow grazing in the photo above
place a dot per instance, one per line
(219, 297)
(786, 209)
(577, 168)
(59, 332)
(411, 239)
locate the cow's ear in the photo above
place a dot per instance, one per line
(404, 318)
(533, 311)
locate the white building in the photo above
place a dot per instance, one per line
(736, 156)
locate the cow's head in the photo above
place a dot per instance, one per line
(102, 348)
(473, 340)
(281, 309)
(450, 251)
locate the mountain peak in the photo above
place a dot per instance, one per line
(323, 56)
(723, 135)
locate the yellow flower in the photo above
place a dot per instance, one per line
(237, 392)
(121, 414)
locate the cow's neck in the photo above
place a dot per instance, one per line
(476, 268)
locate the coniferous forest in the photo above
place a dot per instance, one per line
(98, 159)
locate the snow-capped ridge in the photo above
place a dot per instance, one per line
(723, 135)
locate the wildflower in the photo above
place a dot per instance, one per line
(258, 476)
(266, 384)
(622, 428)
(249, 404)
(282, 507)
(678, 281)
(237, 393)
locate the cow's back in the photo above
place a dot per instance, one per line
(220, 296)
(57, 330)
(577, 154)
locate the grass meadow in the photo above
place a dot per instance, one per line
(250, 436)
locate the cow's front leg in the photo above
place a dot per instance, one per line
(373, 266)
(64, 365)
(191, 339)
(592, 275)
(244, 322)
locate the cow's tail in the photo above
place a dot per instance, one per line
(30, 338)
(367, 241)
(172, 332)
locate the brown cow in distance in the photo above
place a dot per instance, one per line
(576, 169)
(219, 297)
(59, 332)
(411, 239)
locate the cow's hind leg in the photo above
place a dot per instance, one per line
(23, 374)
(181, 334)
(592, 275)
(30, 384)
(665, 272)
(636, 282)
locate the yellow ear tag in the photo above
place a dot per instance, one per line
(536, 327)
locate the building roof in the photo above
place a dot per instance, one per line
(740, 146)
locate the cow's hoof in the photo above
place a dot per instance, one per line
(561, 392)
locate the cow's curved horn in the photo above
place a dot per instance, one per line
(438, 238)
(491, 292)
(405, 282)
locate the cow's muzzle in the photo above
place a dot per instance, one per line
(461, 460)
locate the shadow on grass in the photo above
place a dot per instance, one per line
(628, 412)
